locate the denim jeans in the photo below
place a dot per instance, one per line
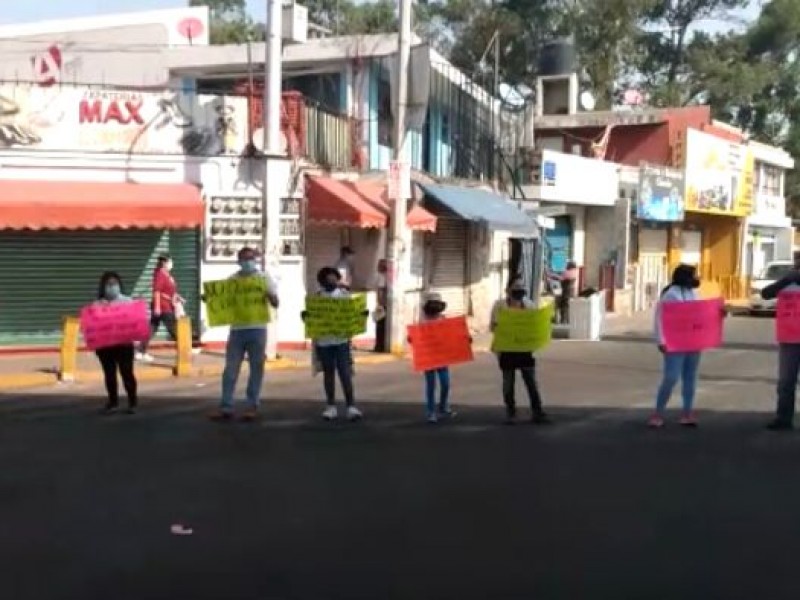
(678, 365)
(253, 343)
(443, 375)
(337, 359)
(788, 368)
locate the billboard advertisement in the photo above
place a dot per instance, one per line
(660, 194)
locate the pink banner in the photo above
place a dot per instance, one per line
(692, 326)
(105, 325)
(787, 318)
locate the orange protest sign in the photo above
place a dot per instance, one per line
(440, 343)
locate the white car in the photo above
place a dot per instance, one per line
(772, 272)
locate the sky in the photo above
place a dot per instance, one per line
(25, 11)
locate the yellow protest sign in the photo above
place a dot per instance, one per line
(236, 301)
(522, 330)
(342, 317)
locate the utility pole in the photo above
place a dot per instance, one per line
(397, 249)
(271, 124)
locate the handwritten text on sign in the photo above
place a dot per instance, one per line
(523, 330)
(105, 325)
(692, 326)
(440, 343)
(335, 317)
(236, 301)
(787, 318)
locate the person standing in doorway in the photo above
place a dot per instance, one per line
(249, 340)
(345, 267)
(116, 358)
(569, 284)
(524, 362)
(788, 356)
(382, 302)
(164, 305)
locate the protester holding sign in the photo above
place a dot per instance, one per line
(332, 349)
(248, 331)
(787, 291)
(524, 362)
(677, 365)
(118, 357)
(433, 310)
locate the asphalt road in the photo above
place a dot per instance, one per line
(595, 506)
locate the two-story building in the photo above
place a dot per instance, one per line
(126, 136)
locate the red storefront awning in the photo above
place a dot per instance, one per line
(334, 202)
(26, 204)
(376, 192)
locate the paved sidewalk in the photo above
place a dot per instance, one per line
(19, 371)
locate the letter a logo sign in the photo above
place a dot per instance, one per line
(47, 66)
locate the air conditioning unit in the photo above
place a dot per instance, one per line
(295, 24)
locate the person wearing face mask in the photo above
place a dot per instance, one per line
(116, 358)
(249, 340)
(432, 310)
(677, 365)
(165, 303)
(524, 362)
(345, 267)
(334, 355)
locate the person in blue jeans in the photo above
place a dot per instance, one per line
(432, 310)
(334, 355)
(677, 365)
(249, 340)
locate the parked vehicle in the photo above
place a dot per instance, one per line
(772, 272)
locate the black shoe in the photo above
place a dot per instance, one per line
(511, 418)
(780, 425)
(131, 410)
(109, 409)
(541, 418)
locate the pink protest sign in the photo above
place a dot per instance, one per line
(105, 325)
(692, 326)
(787, 318)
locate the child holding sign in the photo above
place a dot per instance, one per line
(433, 310)
(524, 362)
(677, 365)
(333, 352)
(116, 358)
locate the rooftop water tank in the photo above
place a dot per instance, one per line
(558, 57)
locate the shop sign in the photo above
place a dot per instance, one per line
(77, 118)
(660, 195)
(719, 175)
(573, 179)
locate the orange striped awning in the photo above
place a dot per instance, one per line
(334, 202)
(27, 204)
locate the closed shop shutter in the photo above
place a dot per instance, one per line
(449, 264)
(323, 245)
(559, 244)
(46, 275)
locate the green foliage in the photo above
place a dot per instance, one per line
(230, 23)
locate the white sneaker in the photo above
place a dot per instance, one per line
(331, 413)
(353, 414)
(148, 358)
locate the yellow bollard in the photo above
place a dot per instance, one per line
(69, 349)
(183, 360)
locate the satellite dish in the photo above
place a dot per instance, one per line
(587, 101)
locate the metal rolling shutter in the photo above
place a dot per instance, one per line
(449, 264)
(45, 275)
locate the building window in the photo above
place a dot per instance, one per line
(232, 222)
(291, 227)
(385, 119)
(768, 180)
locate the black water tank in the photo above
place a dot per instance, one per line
(558, 58)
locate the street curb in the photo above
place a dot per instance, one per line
(17, 381)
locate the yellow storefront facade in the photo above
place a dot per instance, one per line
(719, 195)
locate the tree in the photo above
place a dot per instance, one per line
(346, 17)
(665, 44)
(230, 23)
